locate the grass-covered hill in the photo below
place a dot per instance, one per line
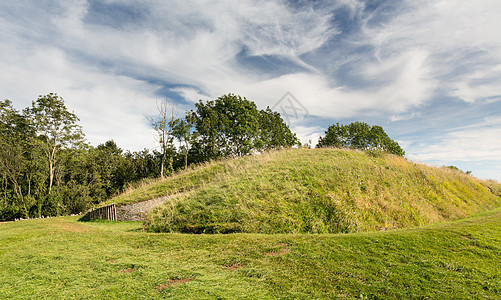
(312, 191)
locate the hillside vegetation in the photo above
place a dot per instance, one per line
(313, 191)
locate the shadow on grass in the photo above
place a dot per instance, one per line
(122, 226)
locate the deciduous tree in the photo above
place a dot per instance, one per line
(359, 135)
(226, 126)
(183, 131)
(56, 128)
(274, 133)
(14, 134)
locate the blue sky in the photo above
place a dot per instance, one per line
(429, 72)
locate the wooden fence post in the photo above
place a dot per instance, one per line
(108, 212)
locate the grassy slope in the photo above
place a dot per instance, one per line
(183, 181)
(316, 191)
(64, 258)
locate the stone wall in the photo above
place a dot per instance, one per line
(138, 211)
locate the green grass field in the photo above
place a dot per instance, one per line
(289, 195)
(65, 258)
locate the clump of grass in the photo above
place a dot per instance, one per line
(494, 187)
(318, 191)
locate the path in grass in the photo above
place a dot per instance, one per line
(137, 211)
(64, 258)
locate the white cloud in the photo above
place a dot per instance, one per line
(190, 94)
(107, 105)
(308, 135)
(461, 37)
(461, 51)
(168, 46)
(407, 80)
(470, 143)
(202, 55)
(479, 85)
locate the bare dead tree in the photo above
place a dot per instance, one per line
(163, 124)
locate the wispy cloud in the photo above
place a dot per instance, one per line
(469, 143)
(389, 61)
(461, 37)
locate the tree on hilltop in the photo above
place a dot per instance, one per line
(233, 126)
(359, 135)
(274, 132)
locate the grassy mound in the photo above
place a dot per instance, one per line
(314, 191)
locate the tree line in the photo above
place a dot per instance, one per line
(48, 169)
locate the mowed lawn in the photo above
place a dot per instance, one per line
(65, 258)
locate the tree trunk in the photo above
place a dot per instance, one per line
(51, 175)
(52, 160)
(18, 190)
(162, 165)
(24, 203)
(186, 156)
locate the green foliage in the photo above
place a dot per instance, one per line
(182, 130)
(274, 132)
(233, 126)
(54, 124)
(361, 136)
(226, 126)
(20, 162)
(312, 191)
(47, 170)
(55, 128)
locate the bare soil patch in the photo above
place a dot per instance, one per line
(127, 271)
(173, 282)
(283, 251)
(72, 227)
(232, 267)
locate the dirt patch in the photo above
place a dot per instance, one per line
(173, 282)
(232, 267)
(127, 271)
(283, 251)
(72, 227)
